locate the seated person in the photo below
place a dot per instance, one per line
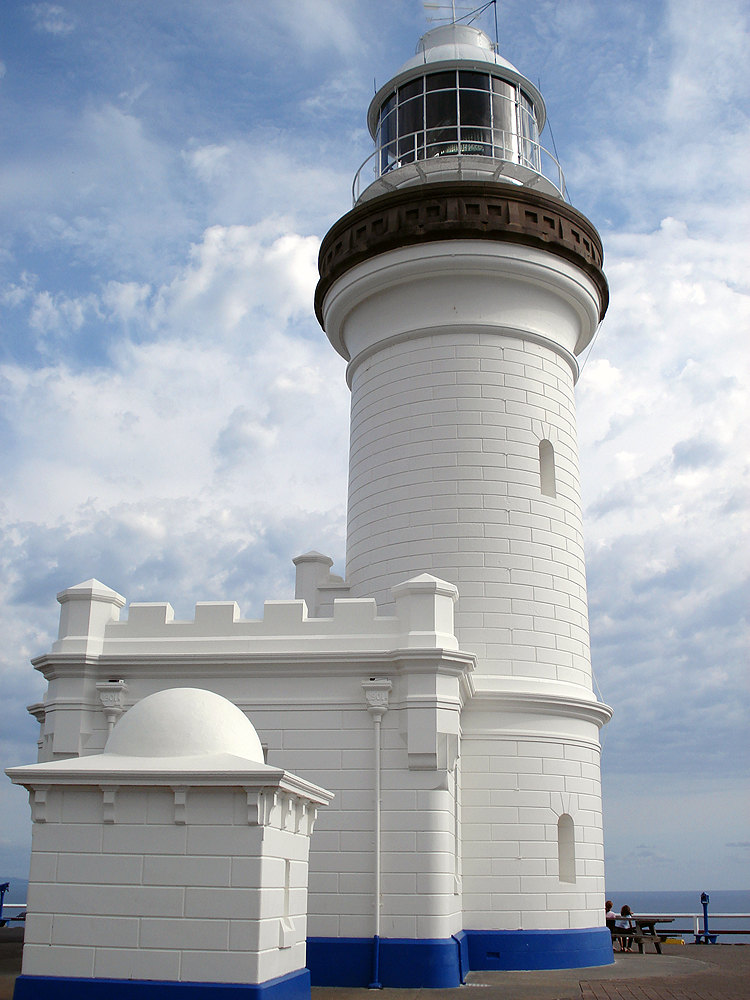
(623, 923)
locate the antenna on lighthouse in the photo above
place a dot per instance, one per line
(469, 16)
(451, 7)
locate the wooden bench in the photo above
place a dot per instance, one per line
(642, 929)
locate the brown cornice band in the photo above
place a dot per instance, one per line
(460, 210)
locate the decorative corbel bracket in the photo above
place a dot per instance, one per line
(112, 697)
(109, 794)
(377, 690)
(180, 804)
(39, 804)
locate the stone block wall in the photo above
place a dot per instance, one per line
(151, 894)
(445, 475)
(532, 834)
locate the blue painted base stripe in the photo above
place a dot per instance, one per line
(403, 962)
(409, 963)
(339, 961)
(463, 955)
(431, 963)
(577, 948)
(293, 986)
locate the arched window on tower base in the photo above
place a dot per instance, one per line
(547, 468)
(566, 848)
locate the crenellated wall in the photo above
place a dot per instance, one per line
(304, 683)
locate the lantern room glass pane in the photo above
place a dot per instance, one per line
(504, 127)
(441, 117)
(388, 120)
(503, 88)
(473, 81)
(527, 129)
(441, 81)
(411, 129)
(409, 90)
(474, 105)
(387, 134)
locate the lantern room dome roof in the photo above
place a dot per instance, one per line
(455, 41)
(184, 722)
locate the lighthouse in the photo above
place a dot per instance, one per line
(460, 289)
(436, 697)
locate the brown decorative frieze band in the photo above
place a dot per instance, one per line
(457, 211)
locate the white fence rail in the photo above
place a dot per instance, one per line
(16, 909)
(697, 922)
(459, 141)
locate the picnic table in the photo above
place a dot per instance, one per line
(641, 930)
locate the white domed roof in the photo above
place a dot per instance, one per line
(184, 722)
(455, 42)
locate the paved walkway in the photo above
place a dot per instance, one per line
(683, 972)
(687, 972)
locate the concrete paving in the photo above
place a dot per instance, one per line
(683, 972)
(686, 972)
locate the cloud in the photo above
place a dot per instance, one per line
(228, 362)
(59, 313)
(199, 446)
(208, 161)
(235, 269)
(52, 18)
(645, 151)
(338, 98)
(206, 452)
(662, 412)
(313, 26)
(696, 453)
(102, 189)
(301, 177)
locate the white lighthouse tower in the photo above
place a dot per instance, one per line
(460, 289)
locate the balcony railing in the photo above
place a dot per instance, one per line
(530, 159)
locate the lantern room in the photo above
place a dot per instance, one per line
(457, 109)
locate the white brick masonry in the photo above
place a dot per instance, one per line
(464, 464)
(461, 365)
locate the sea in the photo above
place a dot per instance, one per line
(719, 901)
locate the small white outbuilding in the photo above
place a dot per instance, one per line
(175, 856)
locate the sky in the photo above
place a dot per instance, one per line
(174, 422)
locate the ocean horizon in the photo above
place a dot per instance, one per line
(681, 901)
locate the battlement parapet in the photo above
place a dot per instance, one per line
(423, 619)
